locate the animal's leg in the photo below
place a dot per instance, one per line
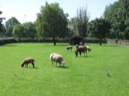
(84, 54)
(80, 53)
(56, 63)
(33, 64)
(52, 63)
(26, 64)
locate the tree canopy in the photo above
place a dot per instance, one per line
(99, 28)
(52, 22)
(82, 21)
(26, 31)
(78, 24)
(118, 15)
(9, 24)
(2, 28)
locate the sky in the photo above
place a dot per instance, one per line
(26, 10)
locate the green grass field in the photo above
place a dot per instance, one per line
(82, 76)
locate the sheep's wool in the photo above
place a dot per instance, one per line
(54, 57)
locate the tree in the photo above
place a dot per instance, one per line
(72, 25)
(52, 22)
(29, 30)
(117, 14)
(26, 30)
(99, 28)
(82, 20)
(127, 29)
(2, 28)
(18, 31)
(9, 24)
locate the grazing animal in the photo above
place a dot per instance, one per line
(54, 57)
(69, 47)
(88, 48)
(27, 61)
(81, 49)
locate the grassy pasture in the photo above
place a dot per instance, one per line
(82, 76)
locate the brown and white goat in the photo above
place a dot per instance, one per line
(81, 49)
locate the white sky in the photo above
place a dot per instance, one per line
(26, 10)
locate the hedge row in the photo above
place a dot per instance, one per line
(42, 40)
(95, 41)
(6, 41)
(13, 40)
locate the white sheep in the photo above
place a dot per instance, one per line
(54, 57)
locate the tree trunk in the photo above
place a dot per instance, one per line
(54, 40)
(100, 41)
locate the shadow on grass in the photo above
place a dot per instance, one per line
(61, 44)
(65, 67)
(85, 56)
(9, 45)
(31, 67)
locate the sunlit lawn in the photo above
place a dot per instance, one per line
(82, 76)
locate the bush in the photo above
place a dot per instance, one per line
(7, 40)
(47, 40)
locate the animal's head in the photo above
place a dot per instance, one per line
(76, 53)
(89, 49)
(77, 46)
(62, 63)
(22, 65)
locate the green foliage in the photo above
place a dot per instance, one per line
(99, 28)
(73, 27)
(4, 41)
(82, 21)
(26, 30)
(29, 30)
(78, 24)
(52, 22)
(117, 14)
(9, 24)
(2, 28)
(18, 31)
(82, 76)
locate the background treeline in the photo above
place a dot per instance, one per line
(53, 23)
